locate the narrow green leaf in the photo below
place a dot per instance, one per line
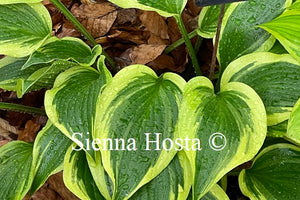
(23, 28)
(67, 48)
(77, 176)
(230, 125)
(49, 151)
(134, 107)
(239, 34)
(166, 8)
(15, 170)
(215, 193)
(273, 175)
(293, 132)
(173, 183)
(276, 79)
(208, 21)
(286, 29)
(72, 102)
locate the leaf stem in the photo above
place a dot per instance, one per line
(188, 44)
(214, 56)
(180, 42)
(21, 108)
(79, 26)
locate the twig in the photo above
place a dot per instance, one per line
(214, 56)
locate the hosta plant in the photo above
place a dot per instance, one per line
(137, 135)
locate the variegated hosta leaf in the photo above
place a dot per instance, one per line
(23, 28)
(34, 78)
(77, 176)
(166, 8)
(239, 34)
(42, 77)
(49, 151)
(215, 193)
(295, 6)
(18, 1)
(275, 78)
(208, 21)
(278, 130)
(101, 178)
(286, 29)
(293, 132)
(67, 48)
(173, 183)
(231, 125)
(213, 2)
(274, 174)
(72, 102)
(15, 170)
(136, 107)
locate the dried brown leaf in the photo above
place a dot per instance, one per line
(154, 23)
(30, 131)
(97, 18)
(57, 184)
(144, 53)
(165, 63)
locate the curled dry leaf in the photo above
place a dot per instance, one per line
(143, 54)
(154, 23)
(97, 18)
(165, 63)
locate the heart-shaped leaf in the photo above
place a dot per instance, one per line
(286, 29)
(231, 126)
(293, 131)
(240, 36)
(15, 170)
(166, 8)
(276, 79)
(274, 174)
(72, 102)
(174, 182)
(65, 49)
(49, 151)
(23, 28)
(208, 21)
(137, 107)
(77, 176)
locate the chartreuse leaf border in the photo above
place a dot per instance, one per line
(240, 36)
(276, 79)
(293, 130)
(34, 26)
(208, 21)
(71, 103)
(49, 151)
(286, 29)
(77, 176)
(274, 174)
(230, 124)
(15, 170)
(215, 193)
(166, 8)
(136, 103)
(67, 48)
(174, 182)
